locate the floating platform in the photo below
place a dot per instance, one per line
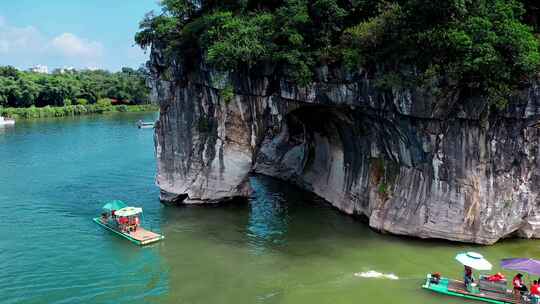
(457, 289)
(140, 237)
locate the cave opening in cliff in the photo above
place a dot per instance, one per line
(323, 150)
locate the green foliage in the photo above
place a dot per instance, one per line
(484, 47)
(478, 46)
(122, 108)
(227, 94)
(156, 28)
(9, 71)
(104, 102)
(360, 40)
(232, 41)
(383, 188)
(25, 89)
(71, 110)
(82, 101)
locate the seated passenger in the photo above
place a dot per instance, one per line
(122, 223)
(534, 288)
(517, 281)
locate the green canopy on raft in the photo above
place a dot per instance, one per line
(114, 205)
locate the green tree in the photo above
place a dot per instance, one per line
(25, 93)
(9, 71)
(23, 89)
(482, 47)
(232, 41)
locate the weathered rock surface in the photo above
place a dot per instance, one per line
(411, 163)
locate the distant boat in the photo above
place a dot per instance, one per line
(6, 121)
(144, 125)
(126, 222)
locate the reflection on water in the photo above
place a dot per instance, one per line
(268, 216)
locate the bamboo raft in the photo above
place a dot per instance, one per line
(457, 289)
(140, 236)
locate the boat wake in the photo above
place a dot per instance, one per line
(372, 274)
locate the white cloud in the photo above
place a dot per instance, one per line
(70, 45)
(27, 46)
(17, 39)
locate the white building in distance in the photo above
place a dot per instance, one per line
(40, 69)
(64, 70)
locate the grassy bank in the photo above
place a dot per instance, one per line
(72, 110)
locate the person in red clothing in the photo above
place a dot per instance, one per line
(535, 288)
(122, 221)
(517, 281)
(137, 222)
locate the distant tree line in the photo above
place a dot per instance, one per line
(71, 87)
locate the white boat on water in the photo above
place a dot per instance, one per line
(6, 121)
(145, 125)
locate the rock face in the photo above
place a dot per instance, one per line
(413, 164)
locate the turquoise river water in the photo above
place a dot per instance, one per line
(283, 246)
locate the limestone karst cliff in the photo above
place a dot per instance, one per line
(411, 163)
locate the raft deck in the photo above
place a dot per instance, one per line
(145, 236)
(457, 288)
(140, 237)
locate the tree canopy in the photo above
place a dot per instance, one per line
(24, 89)
(486, 47)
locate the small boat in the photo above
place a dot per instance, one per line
(457, 288)
(144, 125)
(125, 221)
(6, 121)
(486, 289)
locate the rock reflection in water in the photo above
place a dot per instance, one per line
(269, 214)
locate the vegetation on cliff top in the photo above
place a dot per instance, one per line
(26, 89)
(485, 47)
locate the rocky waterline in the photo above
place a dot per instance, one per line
(412, 163)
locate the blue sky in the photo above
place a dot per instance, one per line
(77, 33)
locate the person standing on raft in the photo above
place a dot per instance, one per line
(468, 276)
(517, 281)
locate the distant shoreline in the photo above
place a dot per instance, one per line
(73, 110)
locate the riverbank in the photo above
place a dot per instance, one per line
(73, 110)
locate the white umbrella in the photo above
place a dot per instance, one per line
(473, 260)
(128, 211)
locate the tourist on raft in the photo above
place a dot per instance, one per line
(535, 291)
(517, 281)
(122, 223)
(468, 276)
